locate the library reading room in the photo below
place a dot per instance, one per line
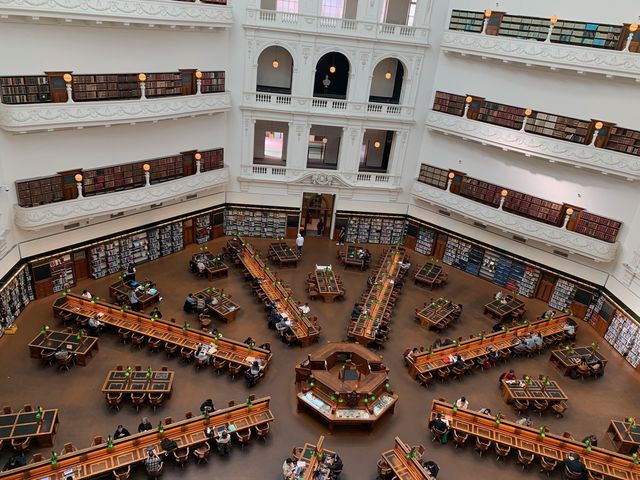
(319, 239)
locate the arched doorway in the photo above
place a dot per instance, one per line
(275, 70)
(387, 81)
(332, 76)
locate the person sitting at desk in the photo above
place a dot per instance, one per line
(456, 362)
(337, 466)
(95, 325)
(87, 294)
(193, 265)
(574, 465)
(462, 403)
(411, 354)
(202, 353)
(497, 327)
(15, 461)
(405, 266)
(485, 411)
(189, 303)
(253, 374)
(520, 343)
(357, 310)
(592, 439)
(439, 423)
(153, 463)
(525, 421)
(305, 308)
(156, 313)
(207, 406)
(300, 467)
(549, 313)
(201, 266)
(249, 341)
(223, 442)
(145, 425)
(432, 467)
(232, 250)
(287, 469)
(62, 354)
(537, 339)
(121, 432)
(284, 323)
(133, 300)
(498, 296)
(510, 375)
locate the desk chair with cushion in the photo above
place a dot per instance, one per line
(155, 344)
(262, 430)
(540, 406)
(235, 369)
(219, 365)
(436, 435)
(170, 349)
(202, 452)
(124, 335)
(502, 451)
(122, 473)
(68, 448)
(47, 358)
(97, 440)
(459, 438)
(243, 437)
(548, 465)
(201, 362)
(20, 444)
(137, 400)
(186, 354)
(525, 458)
(571, 475)
(425, 379)
(443, 373)
(559, 408)
(594, 475)
(181, 455)
(385, 472)
(155, 400)
(521, 406)
(37, 457)
(482, 445)
(65, 363)
(114, 400)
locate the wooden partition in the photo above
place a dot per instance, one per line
(405, 462)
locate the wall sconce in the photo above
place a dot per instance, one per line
(552, 23)
(146, 167)
(68, 79)
(142, 78)
(467, 102)
(488, 13)
(78, 179)
(598, 126)
(198, 157)
(503, 196)
(275, 63)
(451, 176)
(332, 69)
(553, 20)
(198, 82)
(527, 114)
(568, 212)
(633, 28)
(387, 75)
(376, 144)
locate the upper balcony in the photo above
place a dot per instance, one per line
(331, 26)
(59, 100)
(200, 14)
(609, 50)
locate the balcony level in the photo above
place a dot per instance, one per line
(196, 14)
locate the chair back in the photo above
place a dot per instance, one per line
(97, 440)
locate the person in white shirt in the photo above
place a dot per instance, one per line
(299, 243)
(87, 294)
(305, 308)
(287, 468)
(498, 296)
(462, 403)
(95, 325)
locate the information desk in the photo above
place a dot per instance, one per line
(223, 348)
(305, 331)
(139, 382)
(283, 254)
(502, 309)
(528, 439)
(471, 349)
(437, 314)
(624, 435)
(427, 274)
(146, 297)
(363, 329)
(533, 390)
(82, 347)
(327, 284)
(346, 384)
(405, 462)
(99, 460)
(218, 303)
(26, 424)
(213, 264)
(568, 359)
(315, 457)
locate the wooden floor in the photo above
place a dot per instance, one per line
(84, 414)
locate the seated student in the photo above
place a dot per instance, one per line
(121, 432)
(337, 465)
(145, 425)
(447, 341)
(95, 325)
(525, 421)
(462, 403)
(510, 375)
(253, 373)
(193, 265)
(436, 344)
(456, 361)
(86, 294)
(223, 442)
(405, 266)
(207, 406)
(485, 411)
(575, 465)
(439, 423)
(283, 324)
(15, 461)
(249, 341)
(537, 340)
(498, 296)
(189, 303)
(305, 308)
(202, 353)
(299, 469)
(153, 463)
(156, 313)
(411, 354)
(497, 327)
(592, 439)
(62, 354)
(549, 313)
(287, 469)
(201, 267)
(432, 467)
(521, 344)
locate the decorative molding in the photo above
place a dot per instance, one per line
(86, 208)
(56, 116)
(121, 12)
(552, 236)
(607, 162)
(343, 27)
(611, 63)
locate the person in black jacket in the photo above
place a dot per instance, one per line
(145, 425)
(438, 423)
(575, 465)
(207, 406)
(121, 432)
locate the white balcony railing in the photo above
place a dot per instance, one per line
(608, 162)
(149, 13)
(69, 211)
(328, 106)
(56, 116)
(508, 222)
(272, 19)
(611, 63)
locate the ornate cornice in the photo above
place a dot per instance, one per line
(586, 156)
(552, 55)
(62, 213)
(123, 12)
(56, 116)
(553, 236)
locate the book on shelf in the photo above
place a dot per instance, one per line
(15, 295)
(434, 176)
(449, 103)
(468, 21)
(425, 241)
(556, 126)
(255, 223)
(25, 89)
(524, 28)
(563, 294)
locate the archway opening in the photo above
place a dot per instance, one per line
(332, 76)
(275, 71)
(387, 81)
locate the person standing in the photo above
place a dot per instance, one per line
(133, 299)
(299, 243)
(320, 227)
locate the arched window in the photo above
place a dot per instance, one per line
(332, 76)
(275, 71)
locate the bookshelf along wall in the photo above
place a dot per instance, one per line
(105, 87)
(556, 126)
(595, 35)
(212, 159)
(563, 294)
(212, 82)
(499, 114)
(534, 208)
(466, 20)
(255, 223)
(480, 191)
(15, 295)
(39, 191)
(623, 335)
(374, 229)
(434, 176)
(203, 228)
(27, 89)
(449, 103)
(163, 84)
(525, 28)
(425, 241)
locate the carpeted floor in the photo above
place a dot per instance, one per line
(84, 414)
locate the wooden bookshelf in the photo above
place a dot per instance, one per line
(109, 179)
(483, 192)
(105, 87)
(598, 227)
(534, 207)
(466, 20)
(165, 168)
(499, 114)
(39, 191)
(449, 103)
(163, 84)
(434, 176)
(623, 140)
(556, 126)
(212, 159)
(25, 89)
(594, 35)
(15, 294)
(212, 82)
(525, 28)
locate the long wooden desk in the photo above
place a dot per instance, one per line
(598, 460)
(315, 456)
(533, 390)
(500, 310)
(301, 326)
(568, 359)
(99, 460)
(219, 303)
(284, 254)
(213, 264)
(223, 348)
(441, 311)
(82, 347)
(427, 274)
(350, 258)
(405, 463)
(26, 424)
(139, 382)
(327, 284)
(122, 288)
(624, 435)
(363, 329)
(470, 349)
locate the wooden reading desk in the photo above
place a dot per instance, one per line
(146, 297)
(437, 314)
(314, 456)
(218, 303)
(213, 264)
(426, 362)
(502, 309)
(624, 435)
(406, 468)
(350, 257)
(223, 348)
(533, 390)
(139, 382)
(99, 460)
(283, 254)
(568, 359)
(81, 347)
(327, 285)
(427, 274)
(303, 328)
(598, 460)
(26, 424)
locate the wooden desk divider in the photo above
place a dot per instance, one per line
(539, 442)
(405, 462)
(102, 459)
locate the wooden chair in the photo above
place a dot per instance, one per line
(547, 465)
(26, 408)
(170, 349)
(20, 444)
(459, 438)
(123, 473)
(540, 406)
(290, 338)
(67, 448)
(559, 408)
(521, 406)
(482, 445)
(525, 458)
(436, 435)
(262, 431)
(97, 440)
(201, 362)
(502, 451)
(443, 373)
(6, 410)
(168, 420)
(202, 452)
(155, 400)
(119, 368)
(596, 370)
(114, 400)
(594, 475)
(124, 335)
(138, 400)
(583, 371)
(155, 344)
(37, 457)
(186, 354)
(188, 415)
(219, 365)
(181, 455)
(458, 373)
(425, 379)
(65, 363)
(243, 437)
(47, 358)
(569, 475)
(385, 471)
(234, 369)
(156, 472)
